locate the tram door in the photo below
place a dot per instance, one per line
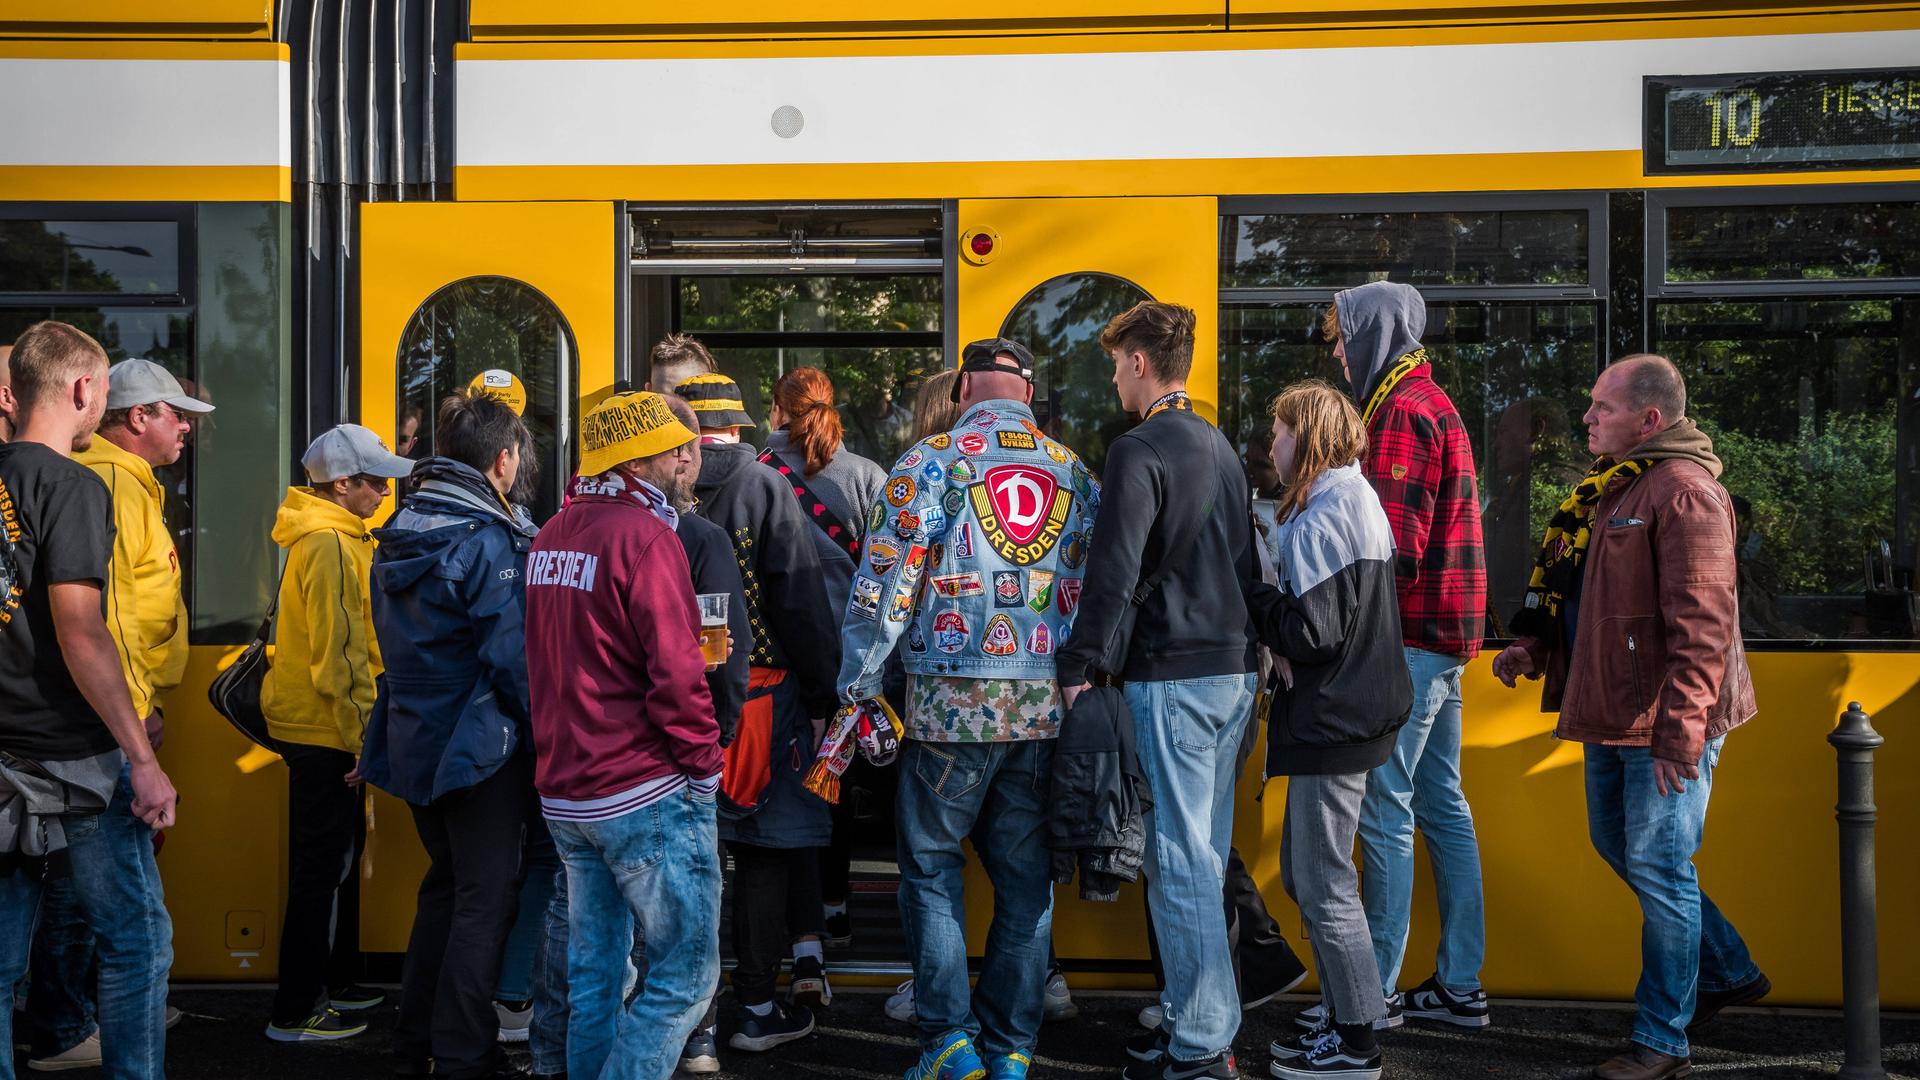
(517, 297)
(1050, 273)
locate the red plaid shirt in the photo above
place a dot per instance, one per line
(1421, 464)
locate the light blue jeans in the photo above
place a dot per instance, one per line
(1649, 839)
(655, 873)
(1420, 786)
(118, 886)
(995, 793)
(1188, 733)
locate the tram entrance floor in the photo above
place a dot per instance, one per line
(220, 1039)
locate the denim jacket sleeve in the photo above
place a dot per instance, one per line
(902, 524)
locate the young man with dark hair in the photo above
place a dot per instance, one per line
(629, 754)
(65, 708)
(317, 699)
(1420, 462)
(676, 358)
(1164, 607)
(449, 730)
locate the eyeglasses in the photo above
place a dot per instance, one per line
(378, 483)
(189, 419)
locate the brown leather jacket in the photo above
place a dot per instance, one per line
(1657, 658)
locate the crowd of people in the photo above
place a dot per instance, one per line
(591, 717)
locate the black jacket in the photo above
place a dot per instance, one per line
(1096, 816)
(794, 624)
(1336, 619)
(710, 560)
(1160, 478)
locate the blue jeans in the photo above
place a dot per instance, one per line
(995, 793)
(1420, 786)
(1686, 945)
(61, 973)
(118, 886)
(547, 1039)
(652, 873)
(518, 965)
(1188, 733)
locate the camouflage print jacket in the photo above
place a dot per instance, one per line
(974, 554)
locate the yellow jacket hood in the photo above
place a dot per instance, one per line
(303, 513)
(145, 611)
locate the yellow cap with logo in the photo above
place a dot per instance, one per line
(628, 426)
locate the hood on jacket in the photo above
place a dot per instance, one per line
(720, 463)
(450, 503)
(1684, 441)
(104, 452)
(1380, 322)
(303, 513)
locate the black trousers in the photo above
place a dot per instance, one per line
(776, 899)
(326, 831)
(476, 839)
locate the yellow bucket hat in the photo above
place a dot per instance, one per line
(628, 426)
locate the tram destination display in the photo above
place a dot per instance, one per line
(1783, 121)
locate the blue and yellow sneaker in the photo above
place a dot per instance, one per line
(1012, 1067)
(955, 1060)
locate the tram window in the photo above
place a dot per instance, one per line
(1518, 371)
(1812, 407)
(1061, 320)
(875, 335)
(873, 388)
(1452, 247)
(1804, 242)
(94, 257)
(484, 324)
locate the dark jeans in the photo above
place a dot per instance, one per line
(475, 838)
(326, 830)
(776, 899)
(61, 975)
(995, 793)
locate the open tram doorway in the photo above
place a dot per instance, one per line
(863, 293)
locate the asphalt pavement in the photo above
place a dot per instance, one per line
(221, 1039)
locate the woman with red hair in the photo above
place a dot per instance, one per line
(807, 440)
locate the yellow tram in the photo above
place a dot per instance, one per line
(317, 214)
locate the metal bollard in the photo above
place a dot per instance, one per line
(1854, 740)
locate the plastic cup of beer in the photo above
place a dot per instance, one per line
(713, 627)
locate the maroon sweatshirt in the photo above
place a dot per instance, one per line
(613, 655)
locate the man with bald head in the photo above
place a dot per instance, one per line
(1632, 618)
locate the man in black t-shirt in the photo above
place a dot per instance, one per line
(65, 710)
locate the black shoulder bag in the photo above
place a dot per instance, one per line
(235, 692)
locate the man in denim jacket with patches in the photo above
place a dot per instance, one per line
(974, 554)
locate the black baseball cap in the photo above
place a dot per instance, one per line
(984, 355)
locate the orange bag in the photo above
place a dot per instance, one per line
(748, 760)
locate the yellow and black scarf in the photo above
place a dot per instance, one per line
(1564, 549)
(1177, 400)
(1398, 371)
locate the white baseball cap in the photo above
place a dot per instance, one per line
(143, 382)
(352, 450)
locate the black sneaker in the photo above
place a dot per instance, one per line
(840, 930)
(809, 986)
(1329, 1058)
(1315, 1016)
(1218, 1067)
(701, 1054)
(355, 997)
(1148, 1045)
(1288, 1047)
(783, 1025)
(1708, 1003)
(323, 1026)
(1431, 1001)
(1276, 971)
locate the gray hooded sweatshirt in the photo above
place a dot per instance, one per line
(1380, 322)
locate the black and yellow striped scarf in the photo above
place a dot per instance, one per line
(1564, 549)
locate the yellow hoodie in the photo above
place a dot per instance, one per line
(145, 611)
(319, 691)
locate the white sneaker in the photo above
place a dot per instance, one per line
(83, 1055)
(1059, 1005)
(513, 1022)
(1151, 1018)
(900, 1005)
